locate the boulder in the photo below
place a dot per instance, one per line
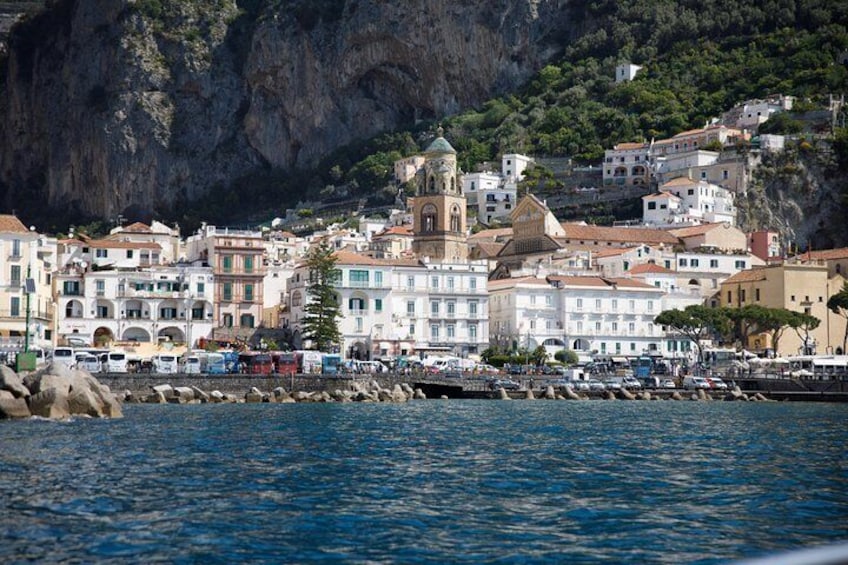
(253, 396)
(84, 402)
(199, 394)
(625, 394)
(528, 395)
(12, 407)
(419, 394)
(570, 394)
(502, 394)
(165, 389)
(216, 396)
(398, 394)
(550, 394)
(676, 396)
(184, 393)
(609, 395)
(12, 382)
(50, 403)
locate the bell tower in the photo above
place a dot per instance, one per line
(439, 208)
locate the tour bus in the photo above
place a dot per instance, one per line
(194, 363)
(255, 363)
(65, 356)
(284, 363)
(309, 362)
(116, 362)
(330, 363)
(165, 363)
(88, 361)
(216, 364)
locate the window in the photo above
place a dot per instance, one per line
(631, 304)
(667, 264)
(615, 326)
(434, 332)
(472, 283)
(549, 300)
(15, 306)
(15, 276)
(740, 264)
(683, 262)
(100, 287)
(434, 282)
(378, 304)
(614, 304)
(201, 288)
(227, 263)
(597, 304)
(16, 248)
(410, 307)
(411, 329)
(757, 295)
(228, 291)
(434, 307)
(101, 253)
(248, 264)
(359, 325)
(451, 309)
(532, 324)
(579, 303)
(358, 278)
(631, 327)
(129, 253)
(650, 305)
(451, 331)
(579, 327)
(694, 263)
(532, 300)
(455, 219)
(472, 332)
(450, 283)
(227, 320)
(713, 263)
(103, 312)
(246, 320)
(472, 309)
(741, 295)
(429, 218)
(652, 205)
(167, 313)
(410, 282)
(378, 278)
(729, 296)
(597, 326)
(248, 293)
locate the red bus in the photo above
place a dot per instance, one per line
(284, 363)
(255, 363)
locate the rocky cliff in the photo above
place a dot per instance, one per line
(129, 106)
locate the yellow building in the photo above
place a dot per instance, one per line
(801, 287)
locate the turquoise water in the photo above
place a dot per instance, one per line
(426, 482)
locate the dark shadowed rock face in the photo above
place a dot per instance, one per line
(106, 106)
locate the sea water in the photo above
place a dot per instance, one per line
(455, 481)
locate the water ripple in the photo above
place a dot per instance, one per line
(427, 482)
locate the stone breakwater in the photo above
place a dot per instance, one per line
(370, 391)
(55, 392)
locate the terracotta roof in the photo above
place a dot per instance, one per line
(689, 132)
(679, 181)
(395, 230)
(499, 284)
(137, 227)
(117, 244)
(10, 223)
(695, 230)
(824, 254)
(603, 282)
(493, 233)
(602, 233)
(751, 275)
(71, 241)
(287, 234)
(630, 145)
(350, 258)
(646, 268)
(488, 248)
(612, 252)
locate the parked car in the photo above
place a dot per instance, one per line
(582, 386)
(632, 383)
(485, 369)
(506, 384)
(595, 384)
(562, 383)
(614, 383)
(717, 383)
(668, 383)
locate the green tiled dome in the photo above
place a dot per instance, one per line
(440, 145)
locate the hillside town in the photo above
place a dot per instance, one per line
(419, 281)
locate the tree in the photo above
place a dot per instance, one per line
(838, 304)
(566, 356)
(322, 310)
(697, 323)
(803, 323)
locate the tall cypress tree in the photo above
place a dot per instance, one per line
(322, 310)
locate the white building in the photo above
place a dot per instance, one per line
(493, 194)
(25, 254)
(688, 202)
(626, 72)
(173, 303)
(396, 307)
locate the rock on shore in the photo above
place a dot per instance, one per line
(55, 392)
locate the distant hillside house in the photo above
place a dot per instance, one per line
(626, 72)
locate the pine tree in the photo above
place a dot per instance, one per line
(322, 310)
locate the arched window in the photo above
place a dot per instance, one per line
(432, 184)
(455, 218)
(429, 217)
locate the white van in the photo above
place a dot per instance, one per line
(64, 356)
(89, 362)
(692, 382)
(116, 362)
(193, 365)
